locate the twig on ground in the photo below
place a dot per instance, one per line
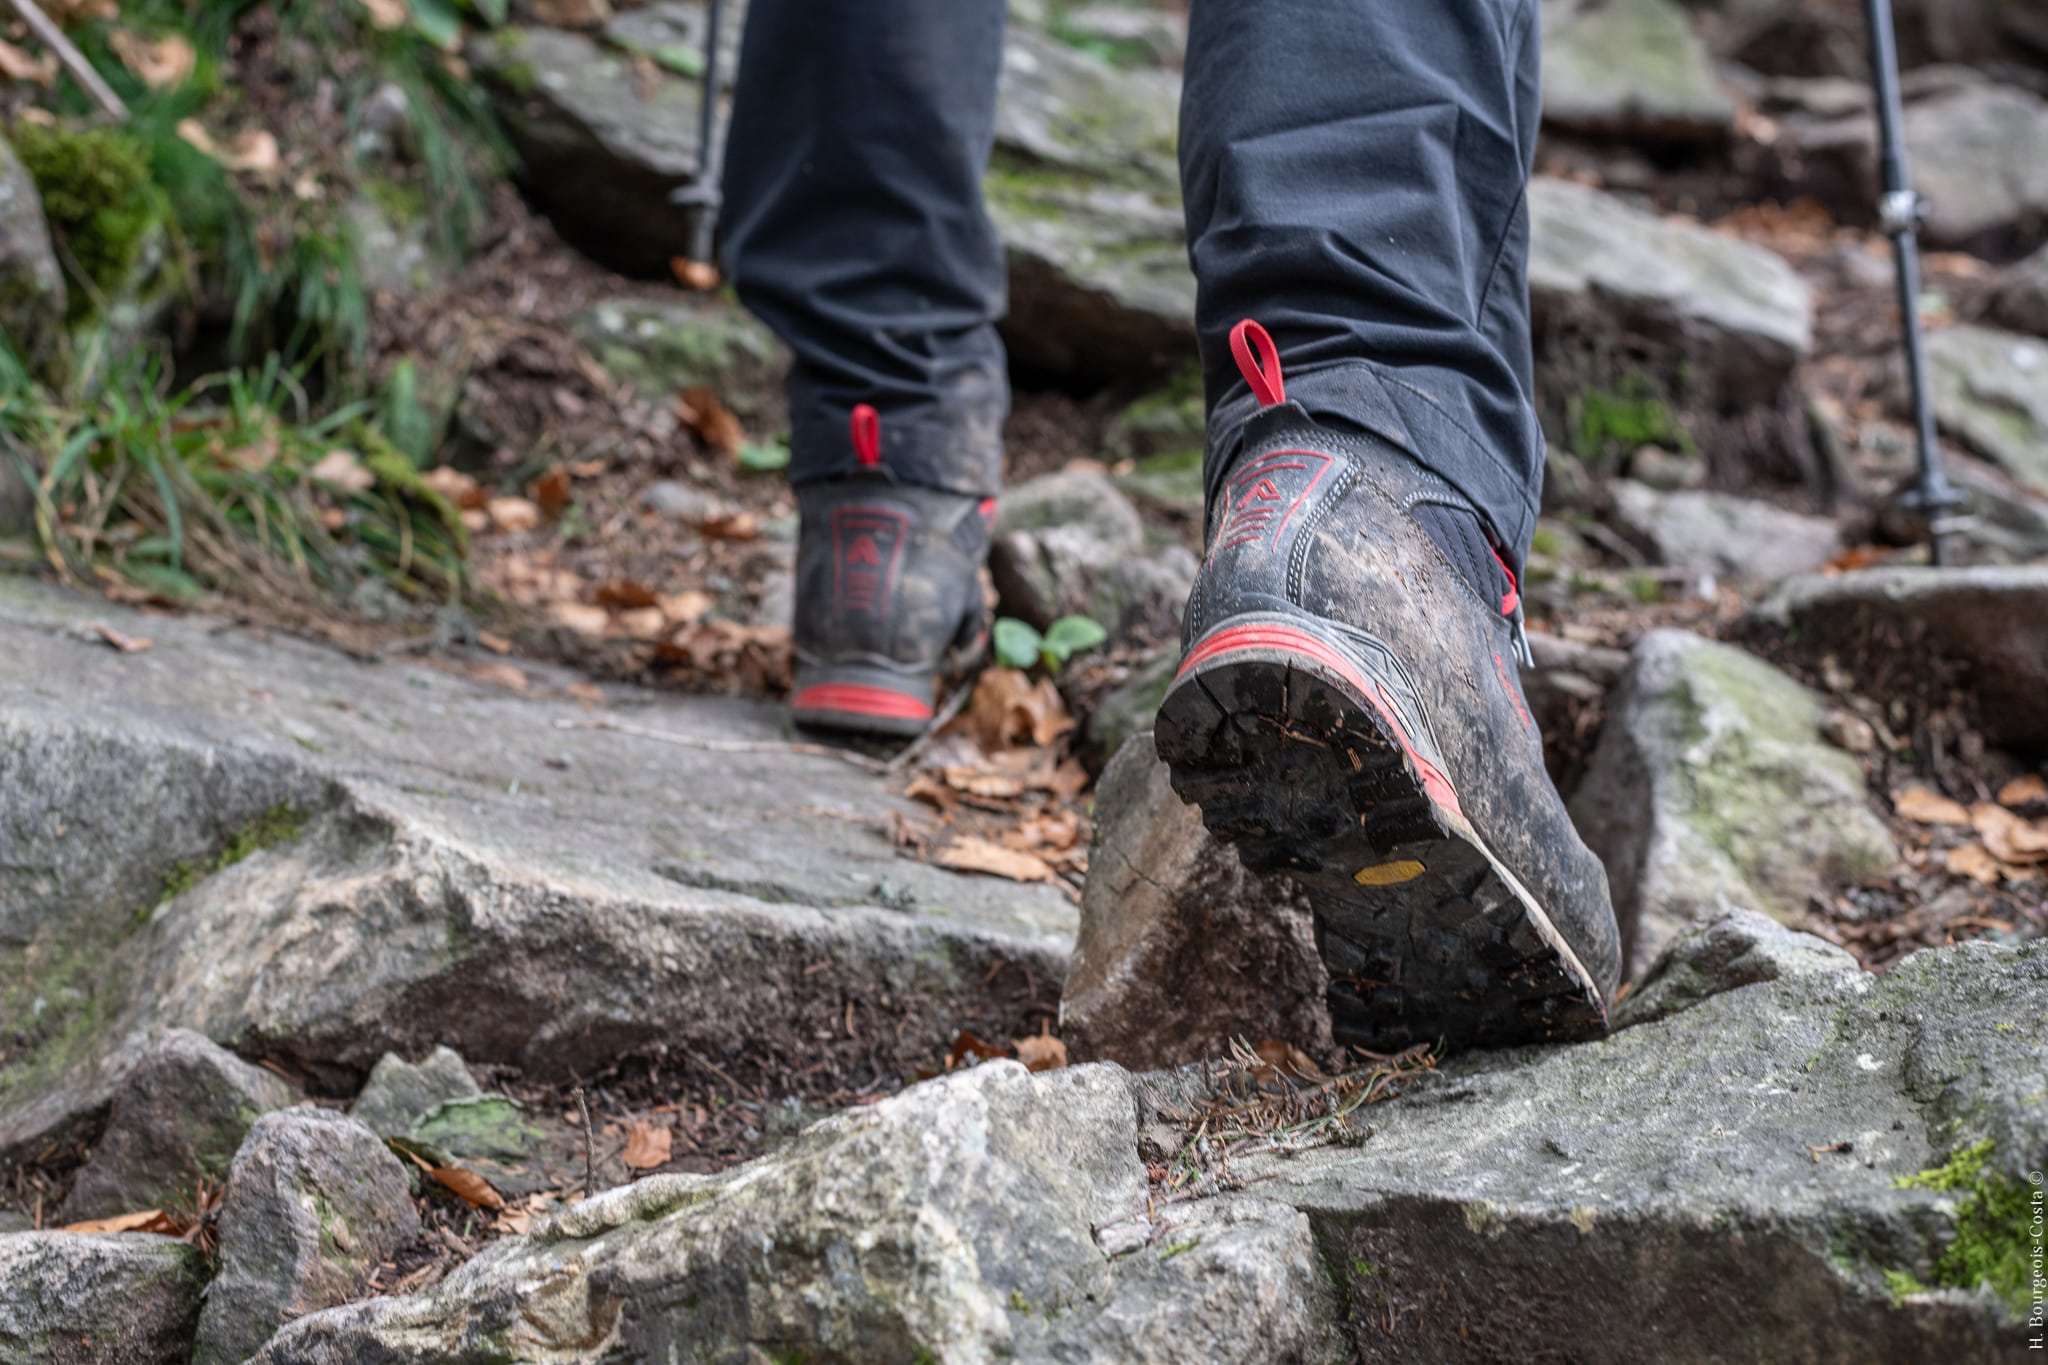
(730, 746)
(589, 1146)
(49, 35)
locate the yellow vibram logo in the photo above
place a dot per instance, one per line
(1388, 874)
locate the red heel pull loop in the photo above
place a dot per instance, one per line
(1512, 598)
(867, 436)
(1261, 371)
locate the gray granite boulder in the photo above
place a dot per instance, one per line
(315, 1202)
(316, 861)
(1980, 157)
(2019, 296)
(1071, 543)
(71, 1298)
(32, 296)
(1991, 393)
(1731, 537)
(177, 1119)
(1631, 68)
(1814, 1143)
(1608, 278)
(401, 1093)
(956, 1221)
(1181, 950)
(1989, 624)
(1712, 789)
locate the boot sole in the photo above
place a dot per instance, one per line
(858, 704)
(1291, 742)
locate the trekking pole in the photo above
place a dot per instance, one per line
(701, 194)
(1900, 213)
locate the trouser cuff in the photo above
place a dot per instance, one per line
(1417, 409)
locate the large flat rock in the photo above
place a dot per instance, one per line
(1737, 1174)
(430, 861)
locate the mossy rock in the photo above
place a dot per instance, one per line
(102, 205)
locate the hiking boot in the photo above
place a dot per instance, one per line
(888, 594)
(1348, 712)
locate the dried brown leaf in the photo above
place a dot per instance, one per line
(1008, 709)
(580, 617)
(499, 675)
(195, 134)
(147, 1220)
(701, 276)
(1288, 1059)
(459, 488)
(341, 469)
(552, 493)
(466, 1185)
(971, 854)
(685, 607)
(513, 514)
(648, 1145)
(1973, 861)
(701, 411)
(162, 63)
(2024, 791)
(17, 65)
(2009, 838)
(967, 1044)
(626, 593)
(254, 150)
(739, 524)
(982, 782)
(1926, 807)
(1042, 1053)
(644, 623)
(387, 14)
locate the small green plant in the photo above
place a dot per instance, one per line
(230, 485)
(764, 456)
(1019, 645)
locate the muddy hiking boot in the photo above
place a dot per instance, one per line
(888, 594)
(1348, 712)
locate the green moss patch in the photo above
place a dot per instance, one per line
(278, 825)
(100, 201)
(1992, 1213)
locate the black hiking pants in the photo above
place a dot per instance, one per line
(1353, 173)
